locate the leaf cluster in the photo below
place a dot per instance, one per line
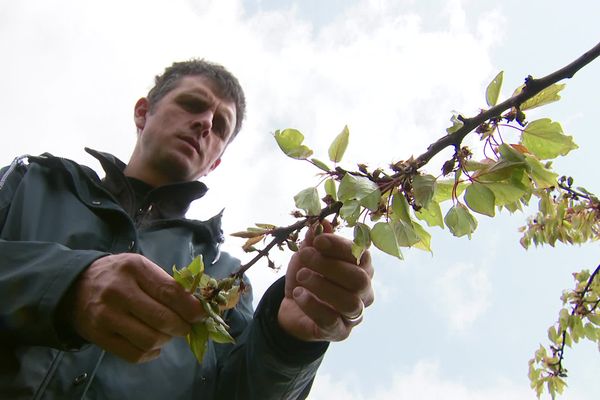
(215, 297)
(578, 319)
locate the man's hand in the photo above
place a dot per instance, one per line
(325, 288)
(131, 307)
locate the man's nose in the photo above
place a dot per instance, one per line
(202, 123)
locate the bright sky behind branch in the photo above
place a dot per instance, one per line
(459, 325)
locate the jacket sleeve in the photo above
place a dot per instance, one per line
(268, 363)
(34, 277)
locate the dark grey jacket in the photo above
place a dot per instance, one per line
(56, 218)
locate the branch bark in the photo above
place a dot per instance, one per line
(532, 87)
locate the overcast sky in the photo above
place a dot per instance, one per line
(459, 325)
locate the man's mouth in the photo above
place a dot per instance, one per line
(191, 142)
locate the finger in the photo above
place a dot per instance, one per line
(311, 233)
(156, 315)
(163, 288)
(123, 348)
(342, 273)
(328, 322)
(335, 246)
(338, 298)
(140, 335)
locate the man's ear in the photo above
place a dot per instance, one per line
(139, 113)
(215, 164)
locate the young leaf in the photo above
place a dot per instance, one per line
(217, 333)
(460, 221)
(400, 208)
(480, 199)
(320, 164)
(424, 242)
(290, 141)
(542, 177)
(444, 188)
(493, 90)
(330, 188)
(196, 266)
(384, 239)
(405, 234)
(362, 240)
(506, 193)
(546, 140)
(308, 200)
(350, 211)
(198, 340)
(432, 215)
(423, 189)
(339, 145)
(361, 189)
(546, 96)
(456, 123)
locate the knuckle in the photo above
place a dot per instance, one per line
(166, 292)
(362, 280)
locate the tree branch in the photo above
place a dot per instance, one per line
(532, 87)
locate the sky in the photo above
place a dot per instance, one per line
(459, 324)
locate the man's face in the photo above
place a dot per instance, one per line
(184, 135)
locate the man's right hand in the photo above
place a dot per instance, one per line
(131, 307)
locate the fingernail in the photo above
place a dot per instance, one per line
(298, 292)
(303, 275)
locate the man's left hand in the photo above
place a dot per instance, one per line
(326, 291)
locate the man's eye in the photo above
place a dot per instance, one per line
(193, 106)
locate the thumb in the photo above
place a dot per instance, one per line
(323, 226)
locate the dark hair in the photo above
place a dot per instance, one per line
(228, 85)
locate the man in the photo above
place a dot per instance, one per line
(88, 309)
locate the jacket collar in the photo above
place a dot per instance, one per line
(170, 201)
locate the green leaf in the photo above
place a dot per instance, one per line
(320, 164)
(189, 277)
(542, 177)
(546, 139)
(500, 171)
(362, 240)
(308, 200)
(405, 234)
(509, 153)
(361, 189)
(198, 339)
(424, 242)
(423, 189)
(456, 124)
(443, 190)
(480, 199)
(339, 145)
(546, 96)
(384, 239)
(506, 193)
(400, 208)
(217, 332)
(290, 142)
(591, 332)
(432, 215)
(493, 90)
(330, 188)
(460, 221)
(196, 266)
(350, 211)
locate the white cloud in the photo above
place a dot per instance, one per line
(463, 294)
(425, 381)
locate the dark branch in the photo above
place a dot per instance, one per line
(532, 87)
(281, 234)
